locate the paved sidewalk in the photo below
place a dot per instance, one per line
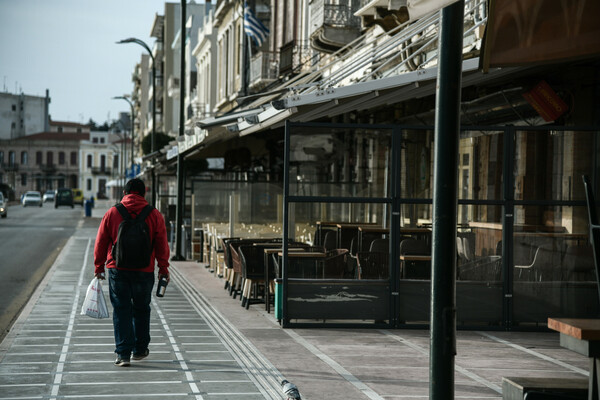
(206, 346)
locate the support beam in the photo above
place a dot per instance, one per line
(445, 203)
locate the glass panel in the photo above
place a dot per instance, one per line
(479, 244)
(553, 268)
(340, 162)
(480, 165)
(313, 220)
(549, 165)
(416, 160)
(415, 215)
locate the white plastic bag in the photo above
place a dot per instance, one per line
(94, 304)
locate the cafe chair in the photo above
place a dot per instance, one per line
(540, 269)
(373, 265)
(330, 240)
(414, 247)
(380, 245)
(253, 272)
(236, 271)
(320, 236)
(228, 263)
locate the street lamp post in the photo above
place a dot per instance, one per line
(130, 122)
(153, 138)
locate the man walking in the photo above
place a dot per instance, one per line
(130, 271)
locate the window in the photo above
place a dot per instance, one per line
(50, 158)
(102, 140)
(95, 140)
(23, 179)
(61, 158)
(102, 162)
(14, 107)
(88, 185)
(73, 158)
(89, 160)
(1, 157)
(24, 158)
(38, 158)
(60, 128)
(11, 158)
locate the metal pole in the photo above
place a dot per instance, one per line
(180, 172)
(153, 137)
(447, 129)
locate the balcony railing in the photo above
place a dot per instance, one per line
(264, 69)
(332, 25)
(101, 170)
(10, 167)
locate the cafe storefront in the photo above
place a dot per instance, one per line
(523, 252)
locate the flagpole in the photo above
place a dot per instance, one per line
(245, 50)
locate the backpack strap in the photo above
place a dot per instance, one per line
(145, 212)
(123, 211)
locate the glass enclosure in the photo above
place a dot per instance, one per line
(363, 195)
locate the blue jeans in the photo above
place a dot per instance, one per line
(130, 295)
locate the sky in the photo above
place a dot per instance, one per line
(68, 47)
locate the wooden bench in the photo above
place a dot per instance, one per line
(519, 388)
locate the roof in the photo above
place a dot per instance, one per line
(63, 136)
(67, 123)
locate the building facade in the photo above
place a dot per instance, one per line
(99, 157)
(43, 161)
(22, 115)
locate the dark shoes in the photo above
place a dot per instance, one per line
(122, 362)
(140, 356)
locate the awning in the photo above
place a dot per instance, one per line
(116, 183)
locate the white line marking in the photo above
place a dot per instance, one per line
(366, 390)
(184, 367)
(75, 306)
(536, 354)
(457, 368)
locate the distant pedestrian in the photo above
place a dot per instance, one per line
(131, 269)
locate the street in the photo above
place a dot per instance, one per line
(30, 240)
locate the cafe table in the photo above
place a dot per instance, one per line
(582, 336)
(317, 256)
(269, 249)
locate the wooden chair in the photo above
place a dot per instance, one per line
(373, 265)
(253, 272)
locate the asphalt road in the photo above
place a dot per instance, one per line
(30, 240)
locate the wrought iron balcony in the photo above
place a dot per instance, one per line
(264, 69)
(10, 167)
(333, 25)
(48, 168)
(101, 171)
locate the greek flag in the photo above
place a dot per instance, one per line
(253, 27)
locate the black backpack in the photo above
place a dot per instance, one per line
(133, 247)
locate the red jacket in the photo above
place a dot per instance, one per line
(107, 236)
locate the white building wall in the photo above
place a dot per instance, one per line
(21, 115)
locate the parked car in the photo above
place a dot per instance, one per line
(48, 196)
(64, 197)
(2, 206)
(77, 196)
(32, 198)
